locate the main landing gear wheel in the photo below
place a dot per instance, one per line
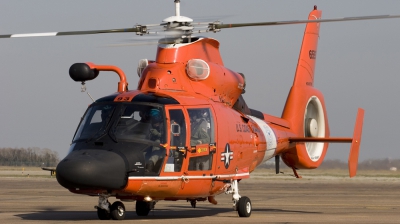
(142, 208)
(240, 204)
(117, 210)
(244, 207)
(193, 203)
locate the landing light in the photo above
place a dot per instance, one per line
(142, 65)
(148, 198)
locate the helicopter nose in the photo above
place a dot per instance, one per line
(94, 169)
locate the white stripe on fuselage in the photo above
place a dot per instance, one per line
(269, 135)
(190, 177)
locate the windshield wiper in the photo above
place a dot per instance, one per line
(113, 128)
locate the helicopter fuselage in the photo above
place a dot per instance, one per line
(234, 144)
(208, 136)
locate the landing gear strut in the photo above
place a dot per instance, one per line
(240, 204)
(103, 208)
(103, 214)
(106, 211)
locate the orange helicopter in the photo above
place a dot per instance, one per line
(186, 132)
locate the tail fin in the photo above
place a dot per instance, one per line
(302, 89)
(306, 113)
(305, 106)
(308, 53)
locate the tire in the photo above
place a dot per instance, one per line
(103, 214)
(193, 203)
(142, 208)
(244, 207)
(117, 211)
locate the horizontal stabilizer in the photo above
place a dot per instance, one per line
(321, 139)
(355, 142)
(49, 168)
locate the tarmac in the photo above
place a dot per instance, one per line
(275, 199)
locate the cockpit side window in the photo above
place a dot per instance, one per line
(141, 122)
(178, 128)
(144, 123)
(177, 141)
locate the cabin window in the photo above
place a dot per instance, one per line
(200, 163)
(201, 137)
(201, 126)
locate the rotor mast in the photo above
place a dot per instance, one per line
(177, 8)
(177, 26)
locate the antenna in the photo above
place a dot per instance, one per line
(90, 96)
(83, 89)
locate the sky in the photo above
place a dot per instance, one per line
(357, 63)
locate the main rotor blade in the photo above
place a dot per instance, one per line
(135, 29)
(234, 25)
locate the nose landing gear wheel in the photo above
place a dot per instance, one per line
(244, 207)
(102, 214)
(117, 210)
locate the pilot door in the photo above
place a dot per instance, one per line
(177, 132)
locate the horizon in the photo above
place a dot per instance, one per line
(357, 63)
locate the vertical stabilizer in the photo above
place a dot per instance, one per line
(308, 53)
(305, 112)
(305, 106)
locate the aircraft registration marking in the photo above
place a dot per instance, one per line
(312, 54)
(123, 98)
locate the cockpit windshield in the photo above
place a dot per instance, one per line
(94, 122)
(130, 122)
